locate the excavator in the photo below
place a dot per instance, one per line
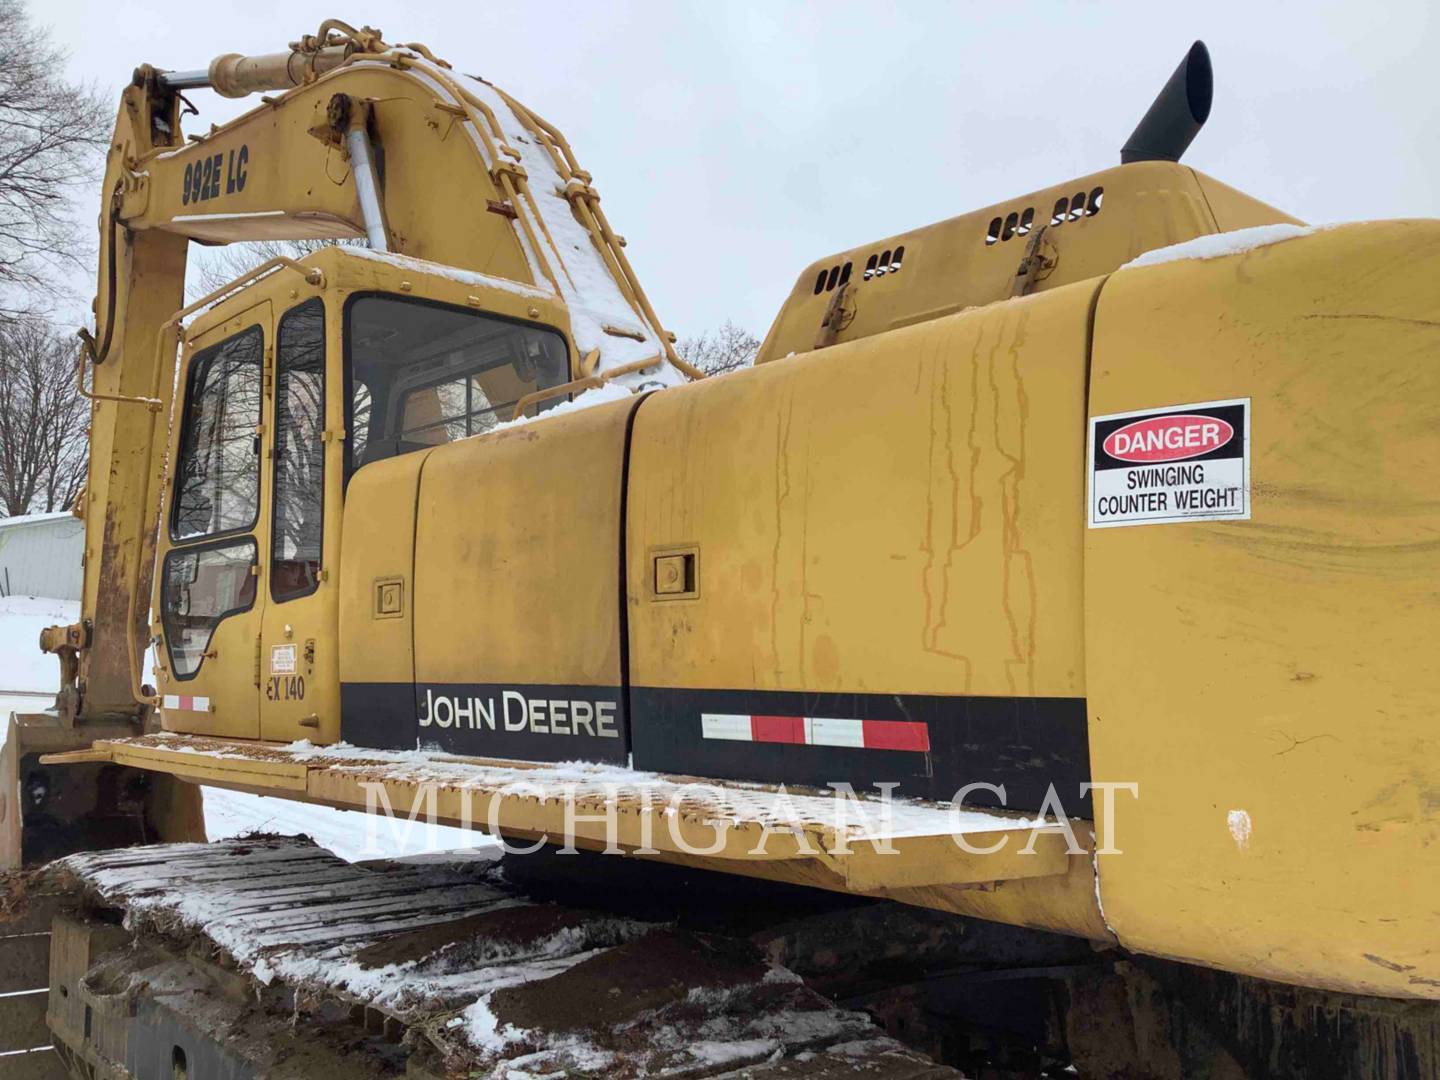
(1086, 541)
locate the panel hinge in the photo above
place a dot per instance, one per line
(1036, 264)
(839, 313)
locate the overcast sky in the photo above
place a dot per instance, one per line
(736, 142)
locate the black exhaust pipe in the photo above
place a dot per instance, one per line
(1177, 114)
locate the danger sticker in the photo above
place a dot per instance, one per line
(1183, 463)
(282, 659)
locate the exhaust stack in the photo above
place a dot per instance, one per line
(1177, 114)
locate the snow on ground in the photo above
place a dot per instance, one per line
(24, 669)
(353, 835)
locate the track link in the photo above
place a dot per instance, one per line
(441, 969)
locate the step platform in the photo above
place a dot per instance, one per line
(842, 840)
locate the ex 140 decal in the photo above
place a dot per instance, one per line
(285, 688)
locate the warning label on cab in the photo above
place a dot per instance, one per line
(1182, 463)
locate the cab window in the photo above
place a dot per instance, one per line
(299, 453)
(423, 373)
(199, 586)
(217, 480)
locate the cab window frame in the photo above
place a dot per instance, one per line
(276, 462)
(348, 370)
(184, 444)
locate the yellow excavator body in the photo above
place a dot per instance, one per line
(1005, 510)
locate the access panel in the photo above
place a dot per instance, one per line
(864, 564)
(517, 591)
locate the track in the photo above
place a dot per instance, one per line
(445, 969)
(269, 957)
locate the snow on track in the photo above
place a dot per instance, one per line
(499, 985)
(351, 834)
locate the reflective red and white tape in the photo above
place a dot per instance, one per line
(186, 703)
(818, 731)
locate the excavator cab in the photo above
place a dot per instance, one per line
(288, 388)
(222, 449)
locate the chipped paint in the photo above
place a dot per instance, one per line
(1240, 827)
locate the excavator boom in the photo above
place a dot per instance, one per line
(471, 207)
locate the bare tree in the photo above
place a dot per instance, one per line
(51, 132)
(43, 419)
(717, 351)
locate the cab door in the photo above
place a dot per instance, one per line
(209, 600)
(299, 671)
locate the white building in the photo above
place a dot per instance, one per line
(40, 582)
(40, 555)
